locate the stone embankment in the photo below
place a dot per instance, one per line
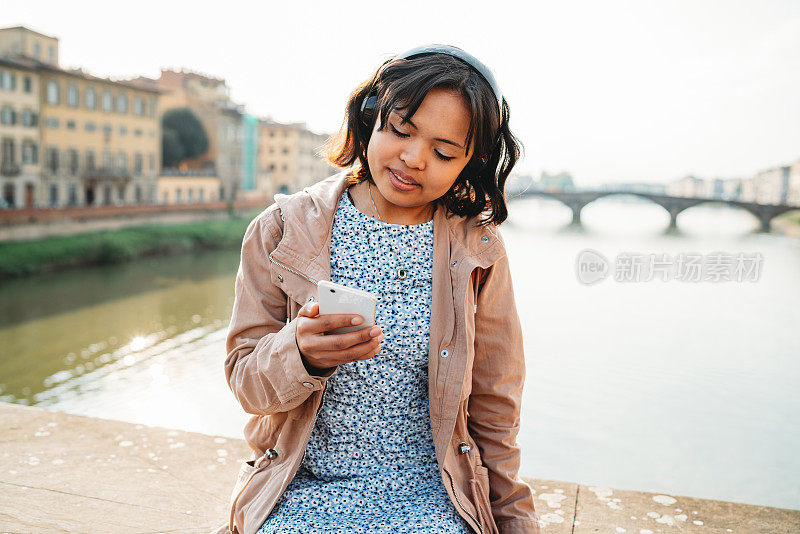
(67, 473)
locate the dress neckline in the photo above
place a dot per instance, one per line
(349, 203)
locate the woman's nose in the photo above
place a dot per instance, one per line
(412, 156)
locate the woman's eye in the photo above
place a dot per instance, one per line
(397, 133)
(401, 134)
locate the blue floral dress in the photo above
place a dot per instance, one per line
(370, 464)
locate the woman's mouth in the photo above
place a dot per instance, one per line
(400, 183)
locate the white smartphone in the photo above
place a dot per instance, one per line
(336, 298)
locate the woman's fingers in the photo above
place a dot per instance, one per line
(362, 351)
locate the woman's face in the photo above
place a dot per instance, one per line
(428, 150)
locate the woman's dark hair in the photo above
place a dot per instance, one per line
(402, 85)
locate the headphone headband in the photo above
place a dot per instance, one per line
(467, 58)
(371, 100)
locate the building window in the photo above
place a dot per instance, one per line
(53, 195)
(107, 195)
(72, 158)
(52, 122)
(52, 53)
(190, 196)
(137, 132)
(122, 103)
(73, 195)
(285, 150)
(8, 80)
(151, 109)
(8, 152)
(200, 194)
(121, 193)
(9, 194)
(123, 130)
(27, 84)
(106, 128)
(152, 159)
(37, 50)
(178, 199)
(30, 152)
(122, 162)
(70, 125)
(29, 118)
(8, 116)
(53, 93)
(90, 160)
(91, 98)
(138, 106)
(108, 161)
(137, 164)
(138, 193)
(52, 160)
(72, 95)
(108, 100)
(90, 126)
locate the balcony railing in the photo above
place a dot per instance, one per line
(188, 172)
(10, 169)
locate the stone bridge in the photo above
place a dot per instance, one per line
(674, 205)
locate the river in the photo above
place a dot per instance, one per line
(670, 386)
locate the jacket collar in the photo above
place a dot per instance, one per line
(308, 223)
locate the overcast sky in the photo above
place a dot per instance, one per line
(607, 90)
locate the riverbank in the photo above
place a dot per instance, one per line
(788, 225)
(24, 258)
(61, 472)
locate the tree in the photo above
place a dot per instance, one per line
(183, 134)
(172, 149)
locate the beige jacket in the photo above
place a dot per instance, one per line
(476, 362)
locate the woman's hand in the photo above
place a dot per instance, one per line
(322, 351)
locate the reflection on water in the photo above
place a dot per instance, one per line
(685, 388)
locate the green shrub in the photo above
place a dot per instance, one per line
(23, 258)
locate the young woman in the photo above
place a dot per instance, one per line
(411, 425)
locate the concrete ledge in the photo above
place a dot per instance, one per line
(68, 473)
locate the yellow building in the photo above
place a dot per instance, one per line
(187, 189)
(19, 40)
(100, 140)
(19, 134)
(288, 158)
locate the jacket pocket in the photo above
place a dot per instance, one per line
(246, 473)
(480, 495)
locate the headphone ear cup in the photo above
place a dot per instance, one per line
(368, 106)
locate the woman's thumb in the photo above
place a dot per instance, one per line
(309, 309)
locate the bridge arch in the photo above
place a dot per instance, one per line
(674, 206)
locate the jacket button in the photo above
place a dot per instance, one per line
(464, 448)
(309, 385)
(445, 353)
(280, 278)
(454, 263)
(271, 453)
(485, 239)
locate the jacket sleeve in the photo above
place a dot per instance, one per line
(263, 365)
(494, 404)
